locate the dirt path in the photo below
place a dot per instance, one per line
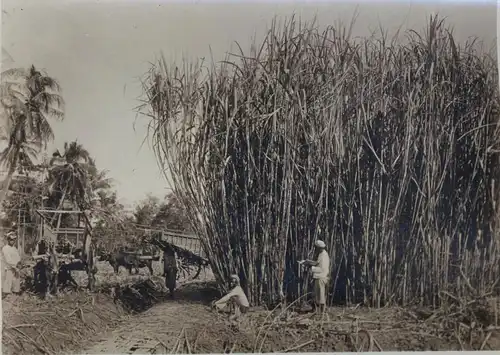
(157, 329)
(154, 331)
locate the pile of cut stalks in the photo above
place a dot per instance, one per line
(34, 326)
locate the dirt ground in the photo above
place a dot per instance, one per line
(81, 322)
(187, 325)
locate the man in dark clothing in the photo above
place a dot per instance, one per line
(46, 267)
(170, 268)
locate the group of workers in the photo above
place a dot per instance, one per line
(45, 269)
(320, 269)
(236, 297)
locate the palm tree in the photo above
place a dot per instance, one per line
(74, 178)
(28, 99)
(69, 176)
(101, 198)
(98, 180)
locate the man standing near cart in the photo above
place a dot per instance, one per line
(170, 268)
(321, 274)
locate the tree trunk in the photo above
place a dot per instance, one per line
(61, 202)
(8, 179)
(54, 250)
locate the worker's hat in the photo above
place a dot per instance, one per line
(12, 235)
(320, 244)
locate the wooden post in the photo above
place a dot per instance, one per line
(40, 234)
(19, 231)
(55, 265)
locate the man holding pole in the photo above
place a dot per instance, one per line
(321, 271)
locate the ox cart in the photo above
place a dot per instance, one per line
(187, 260)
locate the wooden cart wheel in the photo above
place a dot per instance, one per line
(197, 272)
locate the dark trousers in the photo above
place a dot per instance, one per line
(44, 277)
(171, 279)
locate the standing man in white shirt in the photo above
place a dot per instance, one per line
(321, 274)
(12, 263)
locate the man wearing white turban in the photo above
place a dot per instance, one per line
(321, 271)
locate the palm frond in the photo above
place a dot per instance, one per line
(14, 73)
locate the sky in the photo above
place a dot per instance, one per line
(98, 51)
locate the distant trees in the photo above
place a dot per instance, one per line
(166, 214)
(115, 228)
(172, 215)
(146, 210)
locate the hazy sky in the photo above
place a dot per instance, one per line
(99, 49)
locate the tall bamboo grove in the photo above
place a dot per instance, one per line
(387, 150)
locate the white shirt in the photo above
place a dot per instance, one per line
(322, 271)
(10, 256)
(239, 295)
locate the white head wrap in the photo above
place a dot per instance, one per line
(320, 244)
(11, 236)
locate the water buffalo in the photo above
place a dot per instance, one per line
(129, 260)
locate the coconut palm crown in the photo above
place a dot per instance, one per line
(28, 98)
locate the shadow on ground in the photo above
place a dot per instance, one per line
(197, 292)
(143, 295)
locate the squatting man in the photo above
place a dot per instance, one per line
(236, 297)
